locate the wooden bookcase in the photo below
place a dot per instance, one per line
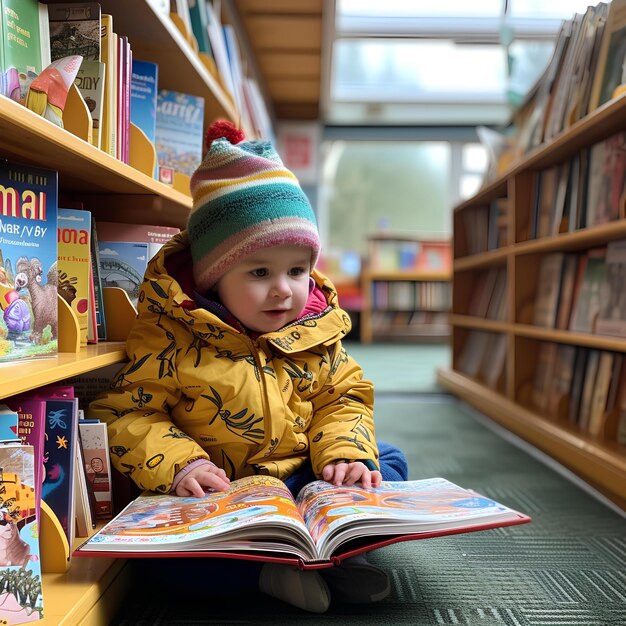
(89, 591)
(405, 289)
(505, 396)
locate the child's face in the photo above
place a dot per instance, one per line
(269, 288)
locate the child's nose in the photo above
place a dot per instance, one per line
(281, 288)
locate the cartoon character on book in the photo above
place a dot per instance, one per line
(13, 549)
(238, 353)
(43, 296)
(15, 311)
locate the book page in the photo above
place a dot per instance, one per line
(334, 515)
(257, 513)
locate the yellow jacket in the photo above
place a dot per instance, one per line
(196, 387)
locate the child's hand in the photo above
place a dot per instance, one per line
(350, 473)
(200, 479)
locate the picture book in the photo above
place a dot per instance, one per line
(61, 432)
(90, 83)
(98, 469)
(28, 261)
(259, 519)
(31, 414)
(74, 231)
(21, 47)
(143, 98)
(154, 236)
(75, 29)
(179, 133)
(123, 264)
(21, 597)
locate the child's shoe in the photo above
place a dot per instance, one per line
(357, 581)
(304, 589)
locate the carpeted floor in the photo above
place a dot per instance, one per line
(401, 367)
(567, 567)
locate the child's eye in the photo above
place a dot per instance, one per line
(261, 272)
(297, 271)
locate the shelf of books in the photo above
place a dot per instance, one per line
(539, 276)
(406, 289)
(90, 188)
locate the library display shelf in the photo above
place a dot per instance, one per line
(89, 591)
(495, 359)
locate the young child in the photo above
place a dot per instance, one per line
(236, 365)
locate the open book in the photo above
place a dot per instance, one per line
(259, 519)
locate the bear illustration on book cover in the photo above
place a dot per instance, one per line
(28, 261)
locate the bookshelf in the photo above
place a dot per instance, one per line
(85, 590)
(406, 293)
(500, 385)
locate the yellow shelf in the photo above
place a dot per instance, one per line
(21, 377)
(89, 593)
(399, 275)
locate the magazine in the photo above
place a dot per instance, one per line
(258, 519)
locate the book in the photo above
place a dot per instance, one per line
(123, 264)
(179, 133)
(97, 465)
(606, 180)
(589, 292)
(259, 519)
(28, 261)
(609, 71)
(143, 98)
(61, 433)
(108, 120)
(75, 29)
(31, 414)
(155, 236)
(21, 47)
(600, 394)
(548, 289)
(200, 25)
(21, 597)
(90, 82)
(612, 313)
(74, 233)
(98, 295)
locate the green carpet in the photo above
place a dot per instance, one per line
(567, 567)
(402, 368)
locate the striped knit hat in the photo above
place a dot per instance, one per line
(244, 199)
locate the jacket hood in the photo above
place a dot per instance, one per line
(169, 286)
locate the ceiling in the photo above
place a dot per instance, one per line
(286, 41)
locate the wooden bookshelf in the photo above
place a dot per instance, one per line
(598, 459)
(406, 290)
(86, 590)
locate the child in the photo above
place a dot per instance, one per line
(236, 363)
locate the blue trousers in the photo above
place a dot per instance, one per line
(393, 466)
(231, 576)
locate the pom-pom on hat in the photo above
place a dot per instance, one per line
(244, 200)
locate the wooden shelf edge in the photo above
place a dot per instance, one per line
(18, 377)
(30, 129)
(92, 587)
(601, 466)
(399, 275)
